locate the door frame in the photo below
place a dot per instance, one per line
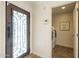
(52, 23)
(9, 17)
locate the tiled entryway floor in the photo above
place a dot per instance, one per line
(32, 56)
(58, 52)
(62, 52)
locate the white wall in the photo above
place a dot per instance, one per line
(64, 38)
(75, 30)
(24, 5)
(2, 29)
(41, 31)
(42, 35)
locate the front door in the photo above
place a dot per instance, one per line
(17, 31)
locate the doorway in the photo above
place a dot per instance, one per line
(62, 31)
(17, 31)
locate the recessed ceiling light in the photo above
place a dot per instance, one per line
(63, 7)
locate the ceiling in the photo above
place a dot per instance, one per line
(69, 8)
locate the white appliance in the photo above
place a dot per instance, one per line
(53, 37)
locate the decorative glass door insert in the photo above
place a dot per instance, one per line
(19, 33)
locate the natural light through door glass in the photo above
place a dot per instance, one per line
(19, 33)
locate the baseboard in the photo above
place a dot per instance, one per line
(30, 52)
(64, 46)
(37, 54)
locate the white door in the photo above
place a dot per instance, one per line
(75, 30)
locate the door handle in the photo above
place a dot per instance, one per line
(77, 35)
(8, 30)
(55, 34)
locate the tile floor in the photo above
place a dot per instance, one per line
(62, 52)
(58, 52)
(32, 56)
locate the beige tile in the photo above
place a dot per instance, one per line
(32, 56)
(62, 52)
